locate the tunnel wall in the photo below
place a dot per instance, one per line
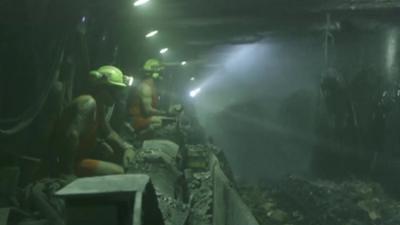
(358, 114)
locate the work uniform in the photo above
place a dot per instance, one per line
(88, 143)
(139, 119)
(85, 121)
(84, 116)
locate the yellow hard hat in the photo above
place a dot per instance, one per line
(153, 65)
(108, 75)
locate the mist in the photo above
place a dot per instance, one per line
(259, 102)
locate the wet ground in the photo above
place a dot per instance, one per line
(297, 201)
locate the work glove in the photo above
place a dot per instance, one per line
(129, 157)
(156, 122)
(175, 109)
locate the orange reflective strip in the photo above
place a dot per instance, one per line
(87, 167)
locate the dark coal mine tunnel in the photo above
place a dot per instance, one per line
(200, 112)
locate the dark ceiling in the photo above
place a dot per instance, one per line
(190, 28)
(34, 33)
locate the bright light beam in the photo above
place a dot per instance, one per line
(140, 2)
(195, 92)
(183, 63)
(164, 50)
(152, 33)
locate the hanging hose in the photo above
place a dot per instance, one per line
(30, 114)
(329, 40)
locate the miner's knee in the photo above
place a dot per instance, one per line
(91, 167)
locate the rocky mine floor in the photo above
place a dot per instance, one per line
(297, 201)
